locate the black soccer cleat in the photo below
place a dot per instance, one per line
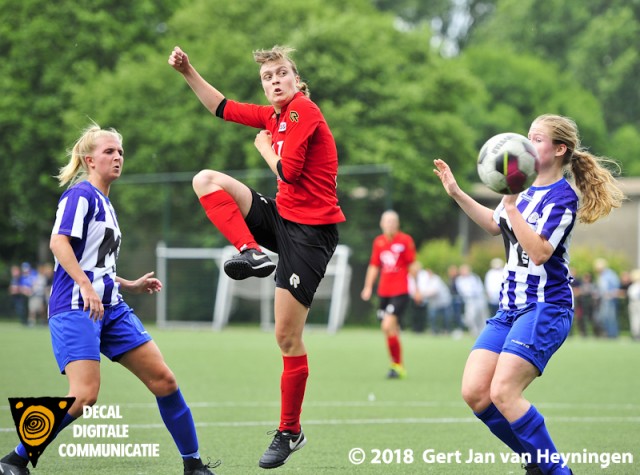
(196, 467)
(249, 263)
(532, 469)
(284, 443)
(8, 469)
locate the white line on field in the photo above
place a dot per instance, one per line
(460, 404)
(410, 420)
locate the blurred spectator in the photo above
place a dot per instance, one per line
(437, 296)
(18, 299)
(586, 302)
(471, 289)
(439, 302)
(38, 297)
(633, 294)
(608, 287)
(457, 304)
(418, 303)
(47, 270)
(25, 286)
(493, 284)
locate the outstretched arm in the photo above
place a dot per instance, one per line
(147, 283)
(208, 95)
(480, 214)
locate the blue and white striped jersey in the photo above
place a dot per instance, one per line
(86, 215)
(551, 212)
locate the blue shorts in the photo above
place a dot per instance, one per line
(74, 336)
(533, 333)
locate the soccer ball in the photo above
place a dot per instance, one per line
(508, 163)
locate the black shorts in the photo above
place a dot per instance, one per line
(303, 250)
(393, 306)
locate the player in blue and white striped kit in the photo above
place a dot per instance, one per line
(87, 314)
(536, 302)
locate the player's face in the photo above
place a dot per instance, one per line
(279, 82)
(389, 224)
(541, 139)
(106, 160)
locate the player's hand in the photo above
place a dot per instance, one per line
(365, 294)
(145, 284)
(443, 172)
(263, 141)
(92, 302)
(509, 200)
(179, 60)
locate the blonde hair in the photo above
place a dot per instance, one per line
(597, 184)
(278, 53)
(76, 170)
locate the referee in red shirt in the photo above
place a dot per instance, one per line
(300, 224)
(393, 258)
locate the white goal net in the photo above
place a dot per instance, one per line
(334, 288)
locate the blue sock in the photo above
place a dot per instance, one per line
(533, 434)
(501, 428)
(22, 452)
(177, 417)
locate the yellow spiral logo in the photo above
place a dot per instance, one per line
(36, 425)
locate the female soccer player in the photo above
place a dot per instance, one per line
(536, 303)
(87, 314)
(300, 224)
(393, 258)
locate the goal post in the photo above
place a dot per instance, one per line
(334, 287)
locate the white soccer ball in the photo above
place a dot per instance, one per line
(508, 163)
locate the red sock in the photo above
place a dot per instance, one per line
(393, 342)
(292, 385)
(225, 215)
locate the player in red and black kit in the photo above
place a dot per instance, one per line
(393, 258)
(300, 224)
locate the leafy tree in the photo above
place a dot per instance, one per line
(452, 21)
(518, 87)
(594, 43)
(47, 51)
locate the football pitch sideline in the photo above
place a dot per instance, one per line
(356, 421)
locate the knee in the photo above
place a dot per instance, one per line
(164, 384)
(205, 182)
(83, 399)
(389, 327)
(476, 397)
(500, 395)
(287, 341)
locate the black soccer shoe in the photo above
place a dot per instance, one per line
(282, 446)
(249, 263)
(196, 467)
(532, 469)
(8, 469)
(13, 464)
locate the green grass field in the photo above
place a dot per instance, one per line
(589, 396)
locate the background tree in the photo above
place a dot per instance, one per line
(47, 51)
(594, 43)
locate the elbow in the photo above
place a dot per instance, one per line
(53, 244)
(288, 174)
(540, 259)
